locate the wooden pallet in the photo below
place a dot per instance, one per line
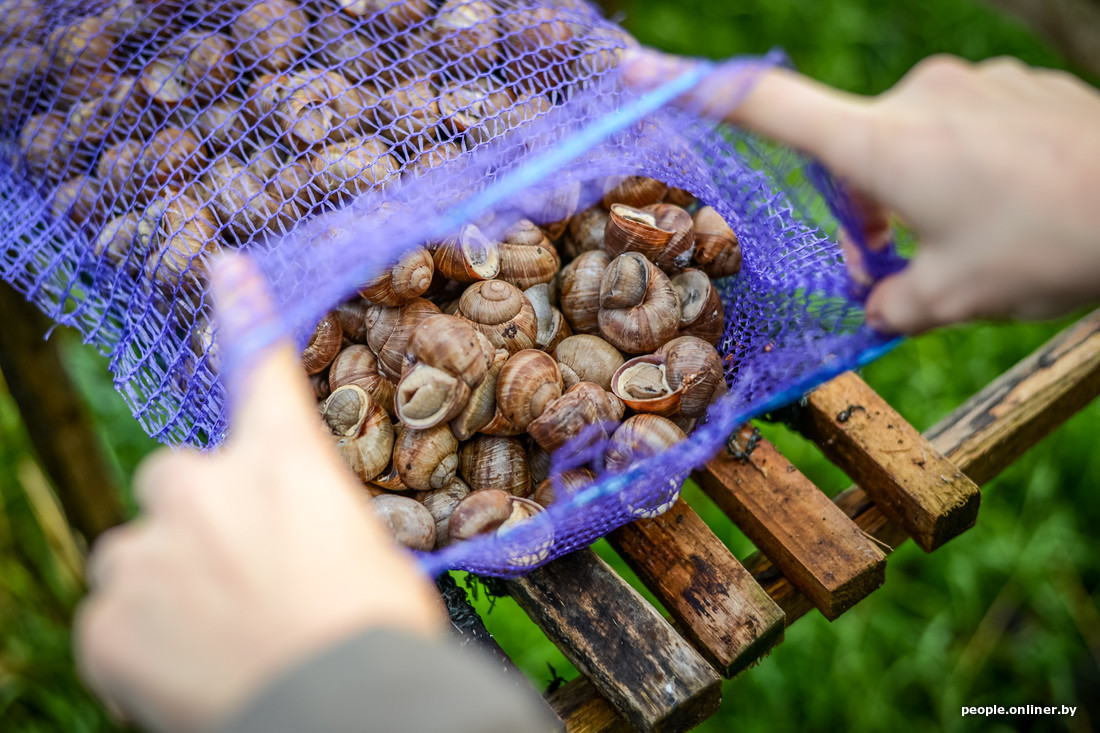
(642, 671)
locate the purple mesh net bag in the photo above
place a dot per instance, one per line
(329, 137)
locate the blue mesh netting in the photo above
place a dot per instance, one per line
(142, 138)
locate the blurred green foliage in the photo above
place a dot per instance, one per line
(1004, 615)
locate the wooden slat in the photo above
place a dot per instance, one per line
(584, 709)
(903, 473)
(983, 437)
(796, 526)
(57, 422)
(651, 675)
(714, 600)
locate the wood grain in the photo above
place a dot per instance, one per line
(714, 600)
(822, 552)
(651, 675)
(983, 436)
(903, 473)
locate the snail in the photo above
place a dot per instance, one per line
(270, 35)
(580, 282)
(48, 157)
(388, 331)
(393, 16)
(409, 522)
(441, 503)
(717, 251)
(404, 281)
(467, 256)
(585, 406)
(635, 191)
(358, 365)
(537, 42)
(363, 433)
(663, 233)
(528, 383)
(179, 235)
(569, 481)
(639, 308)
(466, 31)
(641, 437)
(482, 403)
(115, 242)
(526, 256)
(324, 344)
(552, 326)
(642, 384)
(489, 510)
(196, 67)
(701, 311)
(694, 367)
(426, 459)
(587, 358)
(495, 462)
(585, 231)
(500, 312)
(344, 170)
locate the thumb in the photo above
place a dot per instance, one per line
(920, 297)
(781, 104)
(270, 396)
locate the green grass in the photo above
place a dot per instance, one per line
(1006, 614)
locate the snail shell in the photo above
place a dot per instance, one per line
(693, 367)
(679, 197)
(584, 405)
(358, 365)
(467, 257)
(636, 191)
(180, 235)
(441, 504)
(528, 383)
(495, 462)
(640, 437)
(489, 510)
(568, 482)
(526, 256)
(642, 384)
(701, 311)
(390, 479)
(538, 462)
(552, 326)
(270, 34)
(717, 251)
(467, 31)
(347, 169)
(501, 312)
(398, 16)
(538, 43)
(482, 404)
(639, 308)
(634, 230)
(388, 331)
(586, 231)
(553, 210)
(405, 281)
(581, 280)
(324, 344)
(195, 68)
(115, 242)
(362, 430)
(426, 459)
(352, 317)
(452, 345)
(409, 522)
(427, 396)
(677, 252)
(587, 358)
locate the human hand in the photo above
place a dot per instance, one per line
(994, 165)
(243, 562)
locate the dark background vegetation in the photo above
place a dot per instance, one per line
(1005, 615)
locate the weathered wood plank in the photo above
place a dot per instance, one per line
(654, 678)
(903, 473)
(56, 419)
(983, 436)
(585, 710)
(796, 526)
(714, 600)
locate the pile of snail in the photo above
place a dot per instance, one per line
(170, 129)
(456, 373)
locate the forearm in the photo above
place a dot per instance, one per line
(397, 682)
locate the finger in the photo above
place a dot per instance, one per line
(271, 396)
(106, 551)
(918, 298)
(826, 123)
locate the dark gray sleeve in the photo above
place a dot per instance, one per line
(391, 682)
